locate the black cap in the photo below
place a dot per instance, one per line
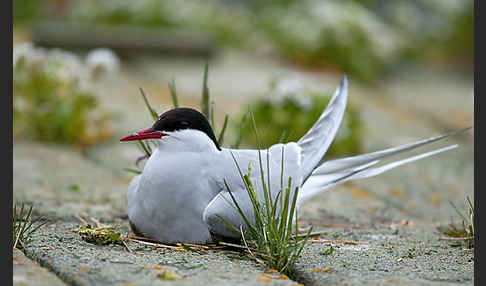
(184, 118)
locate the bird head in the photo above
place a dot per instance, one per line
(175, 120)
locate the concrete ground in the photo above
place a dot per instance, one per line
(392, 218)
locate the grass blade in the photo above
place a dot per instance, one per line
(223, 130)
(27, 223)
(211, 114)
(292, 210)
(245, 219)
(457, 210)
(237, 144)
(151, 110)
(145, 148)
(471, 217)
(205, 94)
(268, 177)
(42, 223)
(228, 223)
(282, 137)
(284, 212)
(132, 171)
(23, 225)
(173, 93)
(265, 190)
(303, 243)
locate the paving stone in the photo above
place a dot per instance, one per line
(402, 255)
(27, 272)
(61, 249)
(61, 182)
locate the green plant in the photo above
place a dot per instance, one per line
(23, 225)
(286, 113)
(464, 233)
(100, 235)
(51, 105)
(328, 251)
(273, 238)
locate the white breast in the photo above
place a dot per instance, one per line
(167, 200)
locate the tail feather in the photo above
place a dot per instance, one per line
(338, 171)
(345, 164)
(317, 140)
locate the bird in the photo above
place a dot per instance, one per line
(183, 192)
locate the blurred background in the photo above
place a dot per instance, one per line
(71, 56)
(79, 65)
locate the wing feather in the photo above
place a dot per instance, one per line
(317, 140)
(221, 206)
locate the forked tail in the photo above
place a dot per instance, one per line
(338, 171)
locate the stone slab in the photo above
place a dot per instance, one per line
(27, 272)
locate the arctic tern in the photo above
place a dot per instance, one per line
(181, 191)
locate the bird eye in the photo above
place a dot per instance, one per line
(184, 124)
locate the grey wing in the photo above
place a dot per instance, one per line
(317, 140)
(221, 208)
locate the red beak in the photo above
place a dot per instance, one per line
(143, 134)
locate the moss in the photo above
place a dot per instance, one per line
(99, 235)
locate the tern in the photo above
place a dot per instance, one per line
(181, 194)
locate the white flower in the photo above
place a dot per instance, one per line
(65, 65)
(102, 60)
(289, 89)
(303, 101)
(284, 89)
(56, 63)
(29, 53)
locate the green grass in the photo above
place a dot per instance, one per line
(24, 226)
(272, 238)
(463, 234)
